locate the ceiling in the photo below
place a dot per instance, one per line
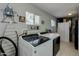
(58, 9)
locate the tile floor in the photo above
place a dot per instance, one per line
(67, 49)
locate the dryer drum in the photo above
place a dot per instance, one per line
(7, 46)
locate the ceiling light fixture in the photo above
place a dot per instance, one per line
(69, 14)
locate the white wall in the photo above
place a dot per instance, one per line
(22, 8)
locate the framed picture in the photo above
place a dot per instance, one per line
(21, 19)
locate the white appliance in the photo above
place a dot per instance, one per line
(27, 47)
(52, 36)
(55, 38)
(78, 36)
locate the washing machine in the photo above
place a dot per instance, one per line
(35, 45)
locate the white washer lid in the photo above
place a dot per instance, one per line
(51, 35)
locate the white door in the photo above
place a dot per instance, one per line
(63, 30)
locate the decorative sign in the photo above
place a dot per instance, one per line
(21, 19)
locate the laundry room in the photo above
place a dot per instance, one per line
(38, 29)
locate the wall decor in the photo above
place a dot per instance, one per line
(42, 22)
(21, 18)
(32, 27)
(37, 27)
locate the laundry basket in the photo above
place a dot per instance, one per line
(2, 28)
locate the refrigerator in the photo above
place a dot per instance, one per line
(76, 35)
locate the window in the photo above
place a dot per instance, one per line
(53, 23)
(29, 18)
(37, 20)
(32, 19)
